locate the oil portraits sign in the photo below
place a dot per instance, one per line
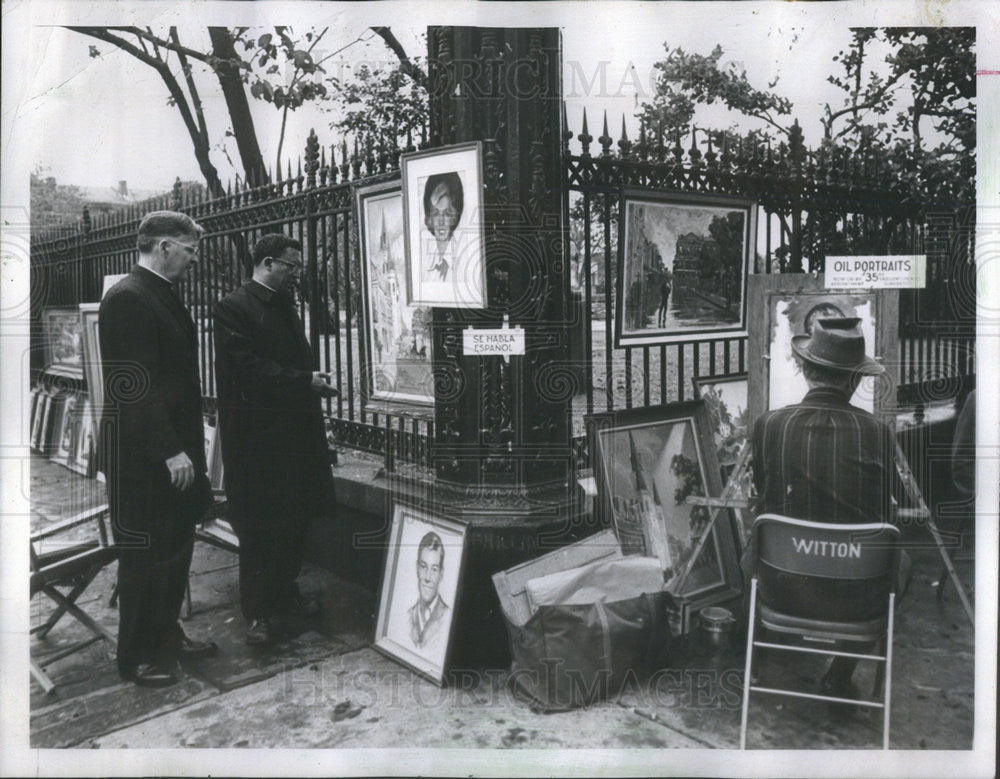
(682, 267)
(397, 334)
(443, 217)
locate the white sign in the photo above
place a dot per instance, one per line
(110, 280)
(503, 341)
(890, 271)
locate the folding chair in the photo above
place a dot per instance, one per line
(73, 566)
(825, 585)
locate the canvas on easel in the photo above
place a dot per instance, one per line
(784, 305)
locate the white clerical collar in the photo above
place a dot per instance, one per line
(157, 274)
(265, 286)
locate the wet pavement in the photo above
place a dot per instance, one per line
(323, 685)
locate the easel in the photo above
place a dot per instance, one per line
(732, 498)
(922, 512)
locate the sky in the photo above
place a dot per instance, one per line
(98, 121)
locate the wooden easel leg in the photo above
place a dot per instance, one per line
(951, 569)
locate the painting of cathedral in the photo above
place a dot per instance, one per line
(682, 267)
(648, 462)
(397, 335)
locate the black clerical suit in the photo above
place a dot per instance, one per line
(152, 390)
(274, 450)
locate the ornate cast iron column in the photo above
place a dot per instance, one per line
(503, 437)
(502, 429)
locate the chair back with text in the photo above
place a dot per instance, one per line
(825, 571)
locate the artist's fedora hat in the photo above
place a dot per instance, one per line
(838, 344)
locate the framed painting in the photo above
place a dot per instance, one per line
(647, 462)
(786, 305)
(213, 455)
(52, 424)
(63, 341)
(397, 333)
(92, 358)
(420, 589)
(443, 226)
(84, 443)
(36, 394)
(38, 420)
(683, 265)
(67, 430)
(726, 402)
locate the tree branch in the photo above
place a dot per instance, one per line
(201, 145)
(174, 46)
(195, 99)
(405, 64)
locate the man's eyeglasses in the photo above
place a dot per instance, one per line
(295, 266)
(190, 249)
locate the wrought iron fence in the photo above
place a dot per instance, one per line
(810, 205)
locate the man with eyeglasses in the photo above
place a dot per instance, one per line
(152, 448)
(274, 450)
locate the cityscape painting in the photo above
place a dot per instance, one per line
(682, 267)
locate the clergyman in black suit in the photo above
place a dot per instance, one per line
(152, 447)
(274, 446)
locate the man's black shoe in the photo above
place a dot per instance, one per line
(195, 650)
(150, 675)
(302, 606)
(259, 632)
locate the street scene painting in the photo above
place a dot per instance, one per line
(420, 587)
(682, 267)
(398, 334)
(443, 214)
(648, 462)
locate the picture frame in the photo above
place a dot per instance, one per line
(38, 420)
(728, 414)
(700, 289)
(67, 429)
(92, 358)
(85, 444)
(415, 618)
(213, 456)
(782, 306)
(398, 335)
(36, 394)
(446, 269)
(52, 424)
(63, 341)
(647, 461)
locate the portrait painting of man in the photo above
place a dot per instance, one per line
(420, 588)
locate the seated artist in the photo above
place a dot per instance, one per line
(824, 460)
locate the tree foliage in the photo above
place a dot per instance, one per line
(53, 204)
(383, 104)
(908, 99)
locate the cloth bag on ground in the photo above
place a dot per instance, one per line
(592, 632)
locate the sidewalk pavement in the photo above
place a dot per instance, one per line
(324, 685)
